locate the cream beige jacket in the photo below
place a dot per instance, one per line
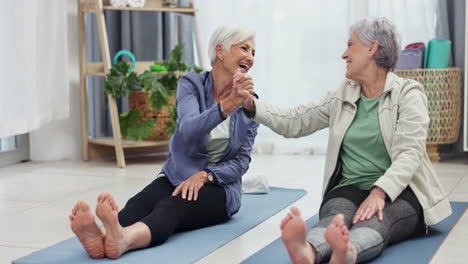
(404, 121)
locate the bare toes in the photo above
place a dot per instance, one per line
(294, 238)
(295, 211)
(101, 197)
(85, 228)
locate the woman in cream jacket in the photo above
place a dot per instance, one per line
(379, 186)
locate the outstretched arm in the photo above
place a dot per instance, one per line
(293, 122)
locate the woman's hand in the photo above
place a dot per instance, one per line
(373, 204)
(191, 186)
(243, 86)
(249, 104)
(242, 89)
(246, 90)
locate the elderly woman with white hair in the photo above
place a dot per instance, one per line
(379, 185)
(200, 183)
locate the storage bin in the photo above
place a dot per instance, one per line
(443, 90)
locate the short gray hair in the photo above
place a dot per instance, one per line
(227, 36)
(382, 30)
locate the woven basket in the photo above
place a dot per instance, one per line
(443, 90)
(138, 100)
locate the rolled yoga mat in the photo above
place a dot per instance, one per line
(438, 54)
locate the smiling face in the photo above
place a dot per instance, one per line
(240, 58)
(358, 57)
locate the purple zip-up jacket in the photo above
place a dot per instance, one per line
(197, 115)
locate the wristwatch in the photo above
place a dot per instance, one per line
(210, 177)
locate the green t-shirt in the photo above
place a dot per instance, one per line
(363, 154)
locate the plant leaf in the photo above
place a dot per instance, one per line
(119, 82)
(196, 69)
(142, 130)
(170, 83)
(127, 120)
(172, 125)
(159, 99)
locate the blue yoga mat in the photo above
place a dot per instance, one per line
(186, 247)
(417, 250)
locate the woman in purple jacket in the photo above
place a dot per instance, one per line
(200, 183)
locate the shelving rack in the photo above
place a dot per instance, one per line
(95, 148)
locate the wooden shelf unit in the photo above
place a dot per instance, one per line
(94, 148)
(97, 69)
(155, 7)
(126, 143)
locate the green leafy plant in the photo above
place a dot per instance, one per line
(170, 80)
(171, 126)
(159, 93)
(172, 66)
(175, 62)
(131, 128)
(120, 82)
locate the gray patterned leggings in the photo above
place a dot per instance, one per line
(402, 219)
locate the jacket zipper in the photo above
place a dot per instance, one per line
(338, 164)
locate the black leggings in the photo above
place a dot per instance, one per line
(165, 214)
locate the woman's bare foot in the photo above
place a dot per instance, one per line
(337, 235)
(115, 243)
(86, 229)
(293, 233)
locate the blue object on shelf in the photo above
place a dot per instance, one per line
(129, 54)
(438, 53)
(411, 58)
(422, 47)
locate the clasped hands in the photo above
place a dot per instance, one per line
(241, 93)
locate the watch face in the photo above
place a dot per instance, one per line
(210, 177)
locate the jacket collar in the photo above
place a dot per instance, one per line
(392, 81)
(209, 85)
(352, 91)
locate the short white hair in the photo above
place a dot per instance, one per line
(382, 30)
(227, 36)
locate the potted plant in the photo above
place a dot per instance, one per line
(171, 71)
(152, 100)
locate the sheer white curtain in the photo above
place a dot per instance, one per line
(33, 72)
(299, 45)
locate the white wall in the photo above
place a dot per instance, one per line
(61, 139)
